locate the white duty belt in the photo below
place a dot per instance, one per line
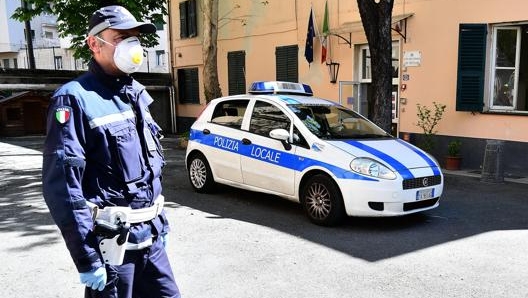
(113, 249)
(127, 214)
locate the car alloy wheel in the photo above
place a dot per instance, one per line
(200, 174)
(318, 201)
(322, 201)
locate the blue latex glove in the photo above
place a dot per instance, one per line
(164, 239)
(95, 279)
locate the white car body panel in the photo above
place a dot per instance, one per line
(263, 164)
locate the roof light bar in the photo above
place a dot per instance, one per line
(278, 87)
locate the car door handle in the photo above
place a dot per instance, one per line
(206, 131)
(246, 141)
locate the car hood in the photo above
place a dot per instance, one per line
(395, 153)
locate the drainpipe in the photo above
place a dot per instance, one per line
(173, 103)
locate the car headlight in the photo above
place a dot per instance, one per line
(370, 167)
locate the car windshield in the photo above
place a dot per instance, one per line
(336, 122)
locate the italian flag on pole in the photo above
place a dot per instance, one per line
(324, 42)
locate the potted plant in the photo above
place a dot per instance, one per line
(453, 158)
(183, 139)
(428, 119)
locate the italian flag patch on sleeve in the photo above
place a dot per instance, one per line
(62, 114)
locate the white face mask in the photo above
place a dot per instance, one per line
(128, 55)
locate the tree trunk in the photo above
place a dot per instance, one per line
(209, 51)
(376, 19)
(29, 40)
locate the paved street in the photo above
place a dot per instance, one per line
(242, 244)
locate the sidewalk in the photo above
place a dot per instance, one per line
(171, 142)
(476, 174)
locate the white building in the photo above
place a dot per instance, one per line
(11, 41)
(52, 52)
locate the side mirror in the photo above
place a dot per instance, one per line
(282, 135)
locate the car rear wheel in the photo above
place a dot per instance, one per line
(322, 201)
(200, 174)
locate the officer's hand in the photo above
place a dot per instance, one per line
(164, 239)
(95, 279)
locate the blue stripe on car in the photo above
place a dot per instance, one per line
(280, 158)
(424, 156)
(402, 169)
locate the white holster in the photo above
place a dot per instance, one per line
(119, 219)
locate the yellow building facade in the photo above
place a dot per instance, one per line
(471, 55)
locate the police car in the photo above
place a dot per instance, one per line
(280, 139)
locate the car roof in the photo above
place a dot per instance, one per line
(286, 99)
(284, 93)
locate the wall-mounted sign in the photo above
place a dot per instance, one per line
(394, 106)
(412, 58)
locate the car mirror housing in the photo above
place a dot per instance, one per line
(280, 134)
(283, 135)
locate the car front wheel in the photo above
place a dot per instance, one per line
(322, 201)
(200, 174)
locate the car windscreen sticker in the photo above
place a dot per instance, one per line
(424, 156)
(401, 168)
(288, 100)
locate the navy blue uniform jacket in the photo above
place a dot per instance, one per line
(102, 146)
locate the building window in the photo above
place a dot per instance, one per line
(32, 35)
(498, 82)
(160, 58)
(188, 19)
(286, 63)
(6, 63)
(509, 77)
(188, 90)
(80, 64)
(48, 34)
(58, 62)
(159, 25)
(236, 70)
(365, 71)
(15, 63)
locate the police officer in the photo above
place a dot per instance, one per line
(102, 167)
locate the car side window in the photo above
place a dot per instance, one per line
(267, 117)
(230, 113)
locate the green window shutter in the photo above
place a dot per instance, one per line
(286, 63)
(471, 67)
(236, 65)
(183, 20)
(188, 89)
(191, 26)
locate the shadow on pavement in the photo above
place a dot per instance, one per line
(467, 208)
(22, 207)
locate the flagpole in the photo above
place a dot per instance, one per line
(328, 41)
(308, 51)
(325, 42)
(317, 33)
